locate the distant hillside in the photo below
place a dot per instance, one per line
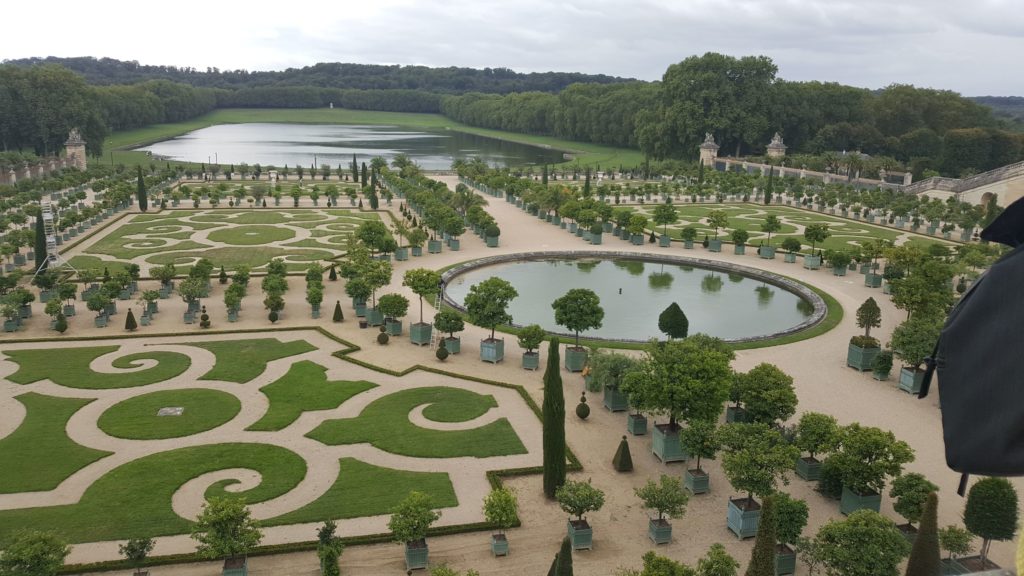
(108, 71)
(1008, 108)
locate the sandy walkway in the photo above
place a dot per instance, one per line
(818, 366)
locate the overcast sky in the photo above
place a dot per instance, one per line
(973, 47)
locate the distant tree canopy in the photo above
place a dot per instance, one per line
(739, 100)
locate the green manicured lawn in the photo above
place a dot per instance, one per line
(250, 235)
(137, 419)
(385, 424)
(242, 360)
(83, 262)
(134, 500)
(304, 388)
(586, 154)
(363, 489)
(70, 367)
(231, 258)
(38, 455)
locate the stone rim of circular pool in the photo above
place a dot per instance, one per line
(798, 288)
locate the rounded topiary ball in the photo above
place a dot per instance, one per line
(583, 409)
(442, 353)
(383, 338)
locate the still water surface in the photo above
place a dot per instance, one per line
(725, 305)
(334, 144)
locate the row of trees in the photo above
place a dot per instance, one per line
(742, 102)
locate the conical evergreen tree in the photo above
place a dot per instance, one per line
(338, 314)
(40, 245)
(762, 560)
(129, 321)
(925, 558)
(333, 274)
(565, 558)
(623, 460)
(553, 570)
(140, 192)
(554, 423)
(223, 277)
(673, 322)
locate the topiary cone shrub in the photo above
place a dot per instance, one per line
(273, 316)
(623, 460)
(129, 321)
(442, 352)
(339, 316)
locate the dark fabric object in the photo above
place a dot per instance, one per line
(978, 363)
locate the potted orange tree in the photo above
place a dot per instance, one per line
(667, 498)
(579, 309)
(816, 434)
(755, 460)
(409, 523)
(577, 498)
(863, 349)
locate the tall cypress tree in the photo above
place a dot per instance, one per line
(554, 423)
(140, 191)
(925, 559)
(565, 559)
(362, 175)
(355, 169)
(544, 176)
(41, 253)
(762, 560)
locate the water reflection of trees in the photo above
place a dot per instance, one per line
(586, 265)
(634, 267)
(735, 278)
(660, 280)
(804, 307)
(764, 295)
(711, 283)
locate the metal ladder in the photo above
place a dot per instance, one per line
(53, 257)
(433, 333)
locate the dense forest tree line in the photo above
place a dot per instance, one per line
(108, 71)
(313, 97)
(1008, 108)
(742, 103)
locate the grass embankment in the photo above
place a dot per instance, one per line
(116, 145)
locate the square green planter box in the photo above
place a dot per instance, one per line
(838, 271)
(499, 545)
(637, 239)
(785, 560)
(401, 254)
(575, 358)
(812, 262)
(688, 244)
(69, 310)
(665, 241)
(715, 245)
(419, 333)
(636, 424)
(873, 280)
(739, 249)
(492, 241)
(735, 414)
(573, 227)
(374, 317)
(659, 531)
(453, 345)
(808, 468)
(950, 567)
(665, 444)
(492, 350)
(393, 327)
(851, 502)
(608, 227)
(360, 306)
(232, 315)
(910, 380)
(434, 246)
(767, 252)
(581, 535)
(861, 358)
(865, 268)
(615, 400)
(453, 244)
(12, 325)
(696, 481)
(531, 360)
(789, 258)
(417, 250)
(145, 319)
(235, 567)
(743, 517)
(595, 239)
(416, 553)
